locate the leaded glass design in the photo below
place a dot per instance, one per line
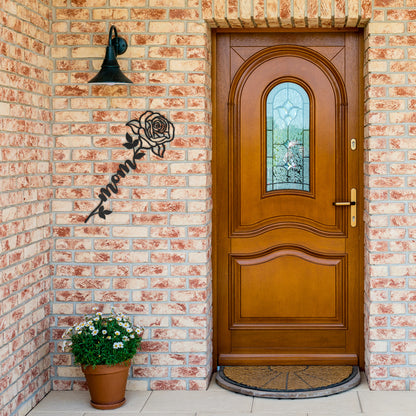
(288, 114)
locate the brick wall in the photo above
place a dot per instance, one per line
(150, 257)
(25, 192)
(390, 41)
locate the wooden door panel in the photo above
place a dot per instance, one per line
(288, 290)
(253, 209)
(287, 261)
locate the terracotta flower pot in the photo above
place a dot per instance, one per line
(107, 384)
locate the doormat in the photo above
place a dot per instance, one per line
(288, 381)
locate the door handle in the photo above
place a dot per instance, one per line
(352, 204)
(343, 204)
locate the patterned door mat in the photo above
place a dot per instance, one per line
(288, 381)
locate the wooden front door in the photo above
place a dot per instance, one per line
(288, 201)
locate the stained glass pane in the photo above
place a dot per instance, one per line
(288, 113)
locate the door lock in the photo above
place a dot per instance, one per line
(352, 204)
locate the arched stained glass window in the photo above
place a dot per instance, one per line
(288, 114)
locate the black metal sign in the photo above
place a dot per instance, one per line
(150, 131)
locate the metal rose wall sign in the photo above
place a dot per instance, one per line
(151, 131)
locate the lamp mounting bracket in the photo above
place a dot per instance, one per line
(119, 44)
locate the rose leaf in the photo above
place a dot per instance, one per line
(139, 155)
(101, 213)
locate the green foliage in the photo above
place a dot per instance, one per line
(100, 339)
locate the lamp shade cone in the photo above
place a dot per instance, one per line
(110, 72)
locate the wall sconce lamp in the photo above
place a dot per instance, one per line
(110, 72)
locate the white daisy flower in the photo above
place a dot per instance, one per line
(66, 333)
(139, 331)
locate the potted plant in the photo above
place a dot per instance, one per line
(104, 346)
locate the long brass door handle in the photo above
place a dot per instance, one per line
(343, 204)
(352, 204)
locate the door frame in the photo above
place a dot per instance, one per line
(216, 198)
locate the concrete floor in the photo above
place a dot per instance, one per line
(218, 402)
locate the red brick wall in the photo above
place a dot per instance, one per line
(25, 211)
(390, 195)
(150, 257)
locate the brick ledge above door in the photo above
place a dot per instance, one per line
(287, 13)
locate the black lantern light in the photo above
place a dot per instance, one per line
(110, 72)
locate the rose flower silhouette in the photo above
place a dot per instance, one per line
(153, 130)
